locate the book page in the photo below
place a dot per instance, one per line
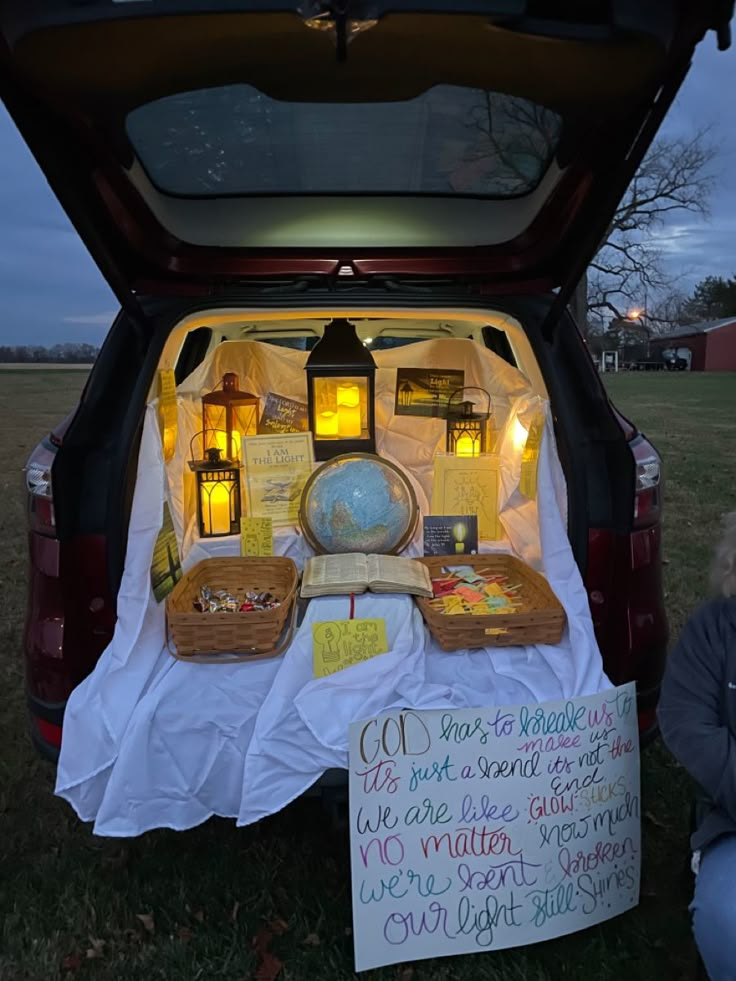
(347, 570)
(386, 571)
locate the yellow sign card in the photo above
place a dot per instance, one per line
(256, 536)
(167, 410)
(276, 470)
(337, 644)
(468, 485)
(530, 458)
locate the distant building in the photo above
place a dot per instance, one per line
(710, 346)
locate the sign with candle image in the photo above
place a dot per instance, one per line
(450, 534)
(473, 830)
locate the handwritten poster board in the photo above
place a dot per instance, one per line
(477, 829)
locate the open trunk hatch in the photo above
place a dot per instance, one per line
(194, 145)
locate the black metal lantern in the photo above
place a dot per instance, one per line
(341, 393)
(467, 428)
(218, 494)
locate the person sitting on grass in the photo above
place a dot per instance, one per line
(697, 718)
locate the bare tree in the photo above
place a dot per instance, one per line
(674, 178)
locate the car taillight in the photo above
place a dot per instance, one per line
(40, 495)
(647, 496)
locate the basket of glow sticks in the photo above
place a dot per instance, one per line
(489, 601)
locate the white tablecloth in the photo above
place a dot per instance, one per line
(150, 741)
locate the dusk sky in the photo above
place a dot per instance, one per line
(52, 292)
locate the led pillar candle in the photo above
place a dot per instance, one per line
(348, 411)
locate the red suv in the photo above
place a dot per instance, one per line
(423, 168)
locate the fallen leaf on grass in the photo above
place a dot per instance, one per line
(269, 966)
(146, 919)
(184, 934)
(72, 962)
(277, 927)
(199, 916)
(406, 973)
(648, 816)
(96, 950)
(311, 940)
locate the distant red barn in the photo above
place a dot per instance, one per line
(709, 346)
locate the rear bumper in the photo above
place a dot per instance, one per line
(646, 707)
(46, 724)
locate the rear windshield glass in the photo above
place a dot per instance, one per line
(235, 140)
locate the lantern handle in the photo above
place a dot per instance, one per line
(220, 386)
(471, 388)
(203, 432)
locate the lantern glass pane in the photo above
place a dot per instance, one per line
(214, 424)
(341, 407)
(244, 423)
(466, 438)
(218, 502)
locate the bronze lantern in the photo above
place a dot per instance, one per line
(341, 393)
(227, 415)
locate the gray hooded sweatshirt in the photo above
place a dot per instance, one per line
(697, 714)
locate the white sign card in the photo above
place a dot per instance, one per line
(477, 829)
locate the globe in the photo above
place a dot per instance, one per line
(358, 502)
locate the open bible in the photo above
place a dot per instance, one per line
(354, 572)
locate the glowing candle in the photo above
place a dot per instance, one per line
(467, 446)
(326, 424)
(216, 509)
(220, 441)
(230, 450)
(459, 533)
(348, 411)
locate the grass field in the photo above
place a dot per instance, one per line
(186, 906)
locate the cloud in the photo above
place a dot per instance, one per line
(94, 319)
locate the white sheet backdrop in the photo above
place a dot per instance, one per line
(150, 741)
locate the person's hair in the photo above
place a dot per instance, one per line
(723, 573)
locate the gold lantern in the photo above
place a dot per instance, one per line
(341, 393)
(227, 415)
(467, 427)
(218, 494)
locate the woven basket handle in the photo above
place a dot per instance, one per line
(240, 657)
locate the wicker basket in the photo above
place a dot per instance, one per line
(540, 620)
(250, 636)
